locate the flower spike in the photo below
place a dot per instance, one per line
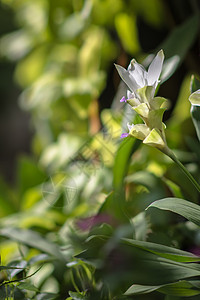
(141, 86)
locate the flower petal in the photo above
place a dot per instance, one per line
(155, 68)
(123, 135)
(123, 99)
(142, 110)
(138, 73)
(155, 118)
(133, 102)
(127, 78)
(195, 98)
(157, 102)
(139, 131)
(130, 95)
(146, 93)
(154, 139)
(130, 126)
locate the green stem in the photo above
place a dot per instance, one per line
(182, 167)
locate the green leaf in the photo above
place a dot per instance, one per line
(11, 292)
(128, 146)
(169, 67)
(120, 168)
(32, 239)
(27, 286)
(145, 267)
(177, 45)
(29, 174)
(189, 210)
(7, 199)
(74, 24)
(181, 39)
(47, 296)
(40, 258)
(77, 296)
(17, 267)
(163, 251)
(10, 268)
(147, 179)
(140, 289)
(127, 30)
(180, 288)
(141, 226)
(174, 188)
(193, 144)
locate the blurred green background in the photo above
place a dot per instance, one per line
(63, 165)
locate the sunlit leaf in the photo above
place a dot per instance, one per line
(127, 31)
(32, 239)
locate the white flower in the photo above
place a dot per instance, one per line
(139, 131)
(130, 127)
(136, 77)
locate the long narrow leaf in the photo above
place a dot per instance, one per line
(127, 147)
(32, 239)
(163, 251)
(181, 288)
(188, 210)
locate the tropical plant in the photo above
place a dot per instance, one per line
(93, 215)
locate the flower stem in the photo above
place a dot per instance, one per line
(182, 167)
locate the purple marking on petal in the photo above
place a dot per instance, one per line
(123, 99)
(124, 135)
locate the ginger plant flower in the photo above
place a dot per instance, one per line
(136, 77)
(141, 86)
(139, 131)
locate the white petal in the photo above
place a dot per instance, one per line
(130, 126)
(195, 98)
(155, 68)
(154, 139)
(130, 95)
(138, 72)
(127, 78)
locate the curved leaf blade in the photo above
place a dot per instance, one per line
(163, 251)
(32, 239)
(187, 209)
(181, 288)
